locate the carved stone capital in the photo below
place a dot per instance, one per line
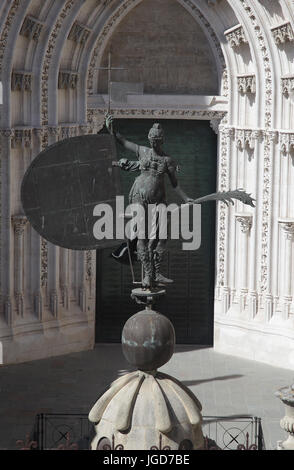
(286, 141)
(22, 137)
(283, 33)
(272, 136)
(246, 138)
(247, 83)
(21, 80)
(79, 33)
(67, 79)
(245, 221)
(54, 131)
(19, 222)
(31, 28)
(236, 36)
(7, 133)
(288, 228)
(68, 131)
(287, 84)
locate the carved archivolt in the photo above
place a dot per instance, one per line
(268, 156)
(47, 59)
(6, 28)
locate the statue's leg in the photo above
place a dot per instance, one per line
(158, 255)
(144, 257)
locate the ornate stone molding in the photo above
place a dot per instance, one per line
(283, 33)
(21, 80)
(236, 36)
(89, 266)
(44, 263)
(67, 79)
(31, 27)
(47, 58)
(245, 221)
(168, 113)
(79, 33)
(287, 84)
(6, 29)
(226, 134)
(246, 83)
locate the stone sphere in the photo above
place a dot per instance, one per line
(148, 340)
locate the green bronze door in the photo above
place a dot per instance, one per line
(189, 301)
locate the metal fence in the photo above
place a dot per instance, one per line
(237, 432)
(66, 431)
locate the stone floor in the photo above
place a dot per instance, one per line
(225, 385)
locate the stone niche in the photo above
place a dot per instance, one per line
(162, 46)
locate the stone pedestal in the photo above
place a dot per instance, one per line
(146, 409)
(286, 394)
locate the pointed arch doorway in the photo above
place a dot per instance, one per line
(189, 302)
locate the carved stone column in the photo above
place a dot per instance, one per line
(37, 273)
(288, 229)
(19, 222)
(53, 251)
(6, 267)
(226, 136)
(245, 221)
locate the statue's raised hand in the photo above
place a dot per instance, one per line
(109, 123)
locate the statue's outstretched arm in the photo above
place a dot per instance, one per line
(124, 142)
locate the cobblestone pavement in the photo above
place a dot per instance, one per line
(225, 385)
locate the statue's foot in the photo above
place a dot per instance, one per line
(147, 282)
(160, 279)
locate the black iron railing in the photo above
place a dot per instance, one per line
(74, 431)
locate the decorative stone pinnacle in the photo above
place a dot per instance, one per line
(245, 221)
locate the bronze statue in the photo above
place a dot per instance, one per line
(149, 188)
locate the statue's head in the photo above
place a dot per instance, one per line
(156, 135)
